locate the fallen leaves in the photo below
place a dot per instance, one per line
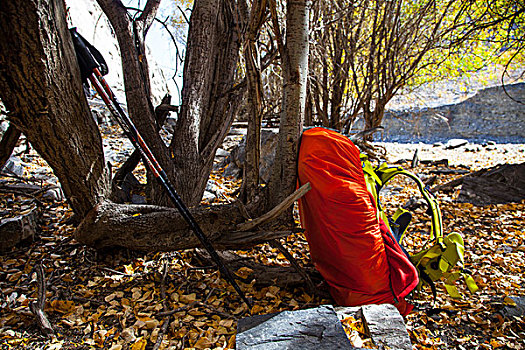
(114, 300)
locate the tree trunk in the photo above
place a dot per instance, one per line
(131, 226)
(254, 101)
(295, 67)
(209, 103)
(130, 36)
(40, 87)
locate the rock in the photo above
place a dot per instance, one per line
(237, 132)
(518, 310)
(54, 194)
(20, 228)
(232, 170)
(455, 143)
(14, 165)
(386, 326)
(347, 311)
(208, 196)
(234, 163)
(317, 328)
(221, 153)
(138, 199)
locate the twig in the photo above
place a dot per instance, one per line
(166, 322)
(276, 244)
(275, 212)
(223, 314)
(174, 311)
(37, 308)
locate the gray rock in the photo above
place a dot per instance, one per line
(317, 328)
(18, 229)
(455, 143)
(234, 163)
(237, 132)
(221, 153)
(386, 326)
(515, 311)
(54, 194)
(171, 121)
(208, 196)
(138, 199)
(14, 166)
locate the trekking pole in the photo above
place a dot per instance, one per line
(102, 88)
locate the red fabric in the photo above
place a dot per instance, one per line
(344, 235)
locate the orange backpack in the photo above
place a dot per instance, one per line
(350, 245)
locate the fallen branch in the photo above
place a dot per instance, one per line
(154, 228)
(276, 244)
(179, 309)
(275, 212)
(449, 186)
(37, 308)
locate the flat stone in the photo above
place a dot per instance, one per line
(515, 311)
(317, 328)
(237, 132)
(386, 326)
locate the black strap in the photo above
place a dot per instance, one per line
(426, 278)
(88, 56)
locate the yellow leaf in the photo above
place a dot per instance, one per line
(140, 344)
(128, 269)
(509, 301)
(231, 342)
(495, 344)
(63, 306)
(203, 343)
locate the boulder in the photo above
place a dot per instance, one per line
(234, 163)
(386, 327)
(310, 329)
(15, 166)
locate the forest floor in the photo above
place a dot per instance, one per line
(129, 300)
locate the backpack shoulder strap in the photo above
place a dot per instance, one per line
(377, 177)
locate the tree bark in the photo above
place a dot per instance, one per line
(254, 101)
(295, 68)
(130, 36)
(209, 103)
(130, 226)
(40, 87)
